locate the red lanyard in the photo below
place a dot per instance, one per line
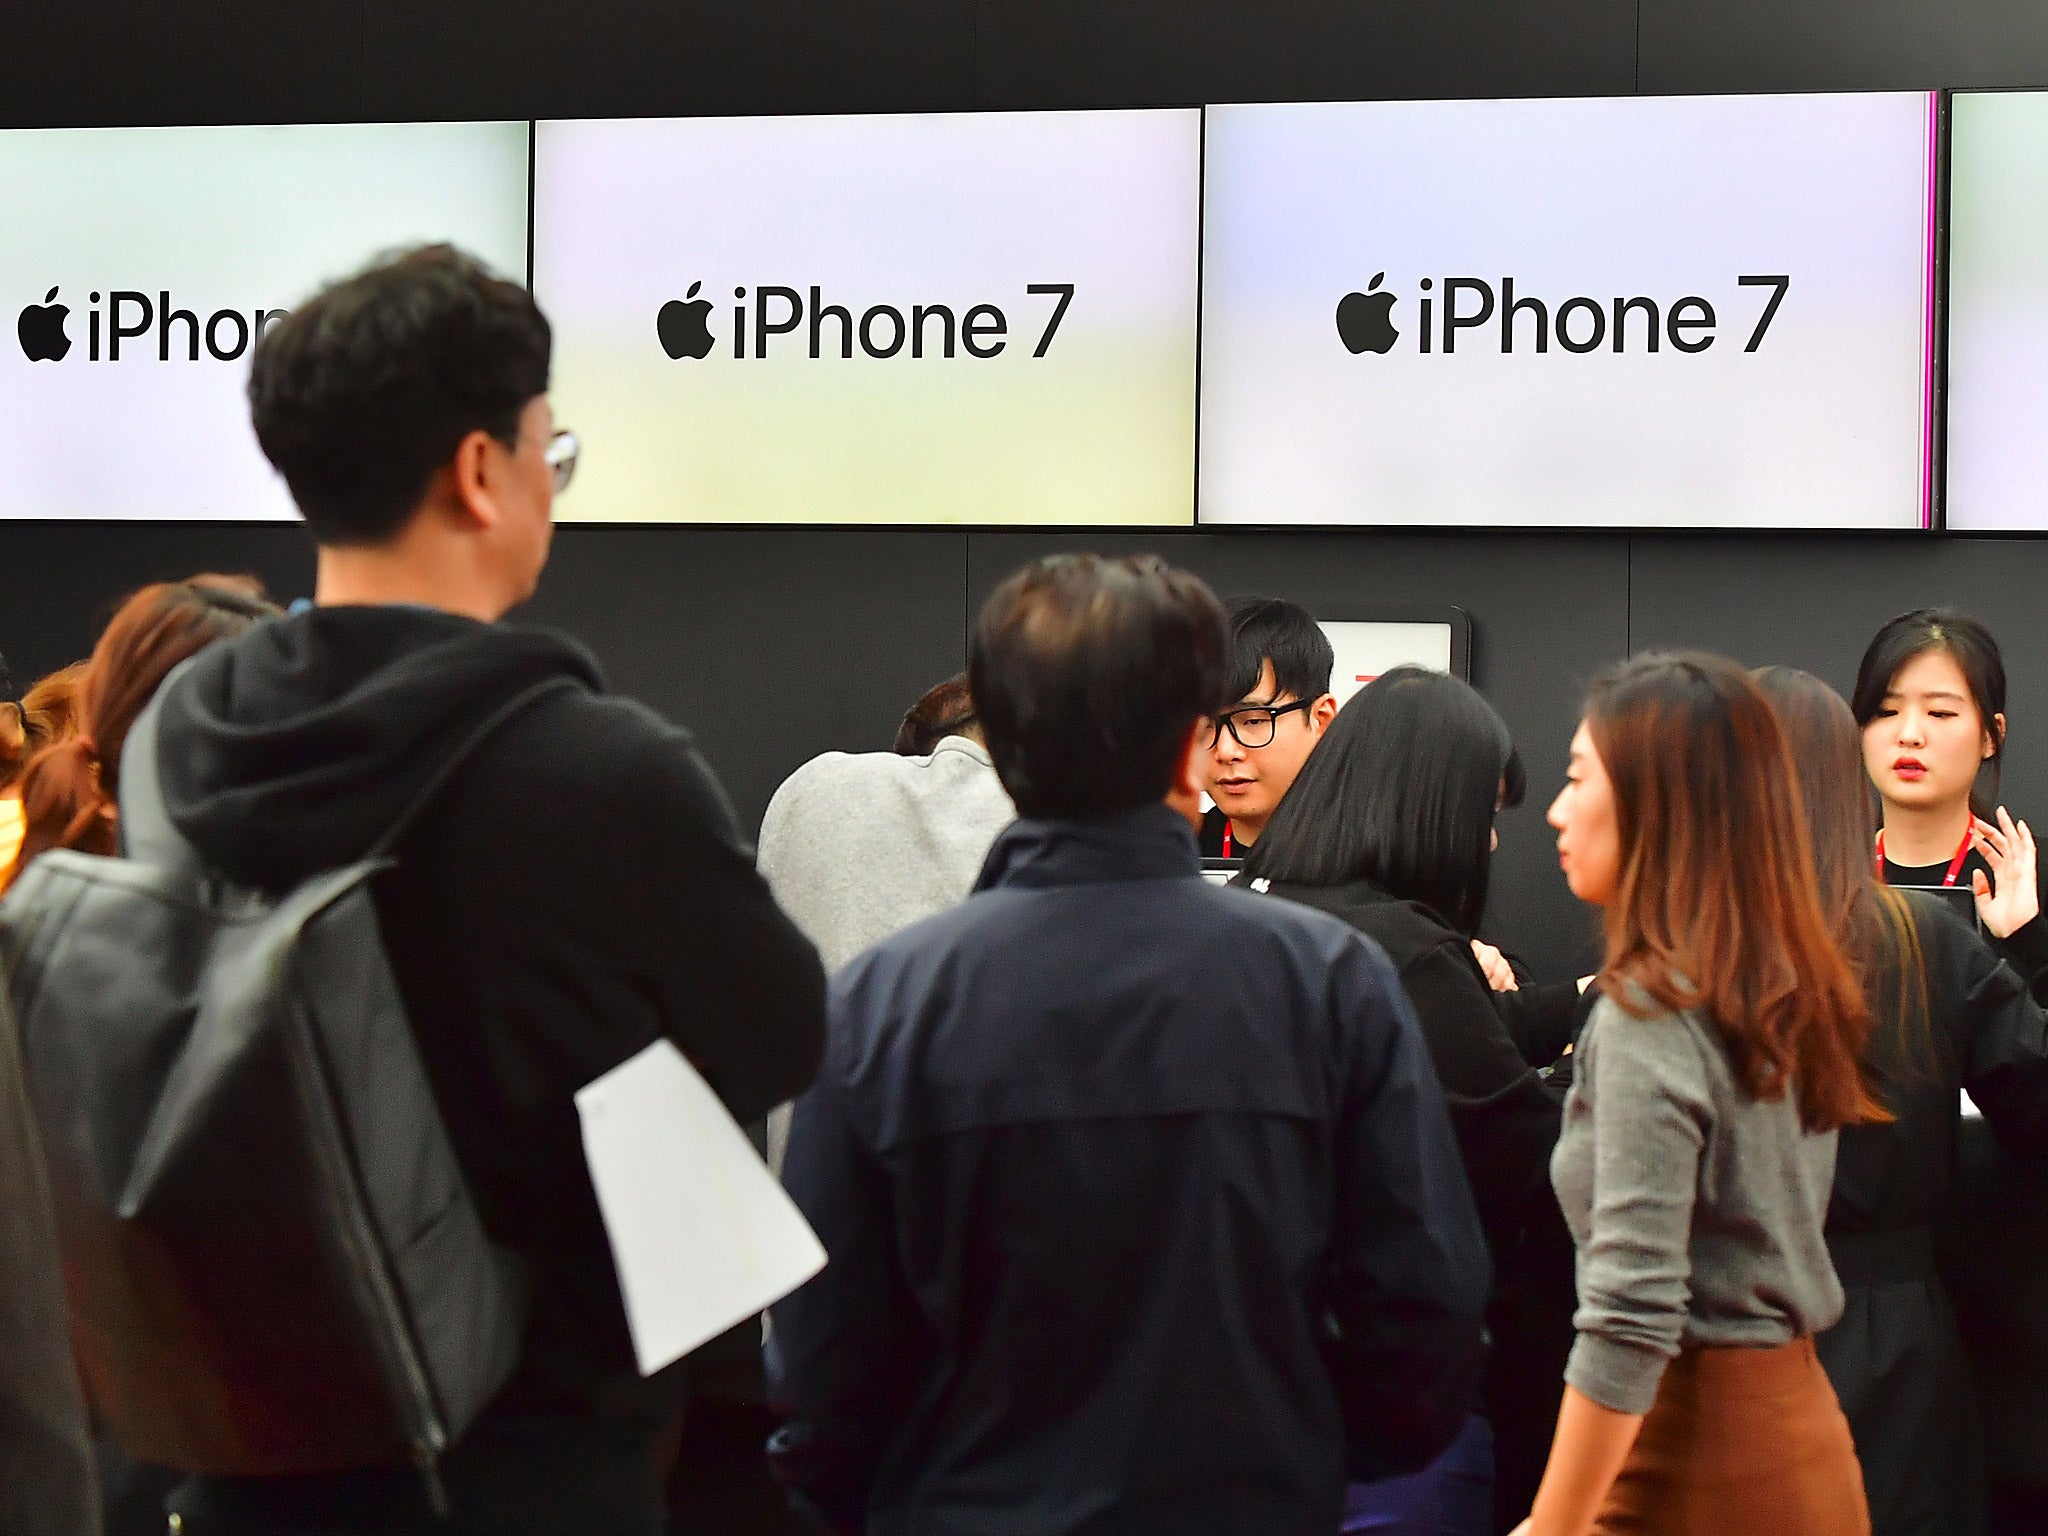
(1955, 865)
(1227, 844)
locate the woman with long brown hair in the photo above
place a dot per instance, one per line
(1699, 1137)
(1952, 1015)
(68, 787)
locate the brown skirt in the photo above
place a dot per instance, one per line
(1741, 1440)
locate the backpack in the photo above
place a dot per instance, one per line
(271, 1259)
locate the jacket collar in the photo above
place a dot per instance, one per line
(1153, 842)
(1353, 893)
(965, 746)
(1352, 896)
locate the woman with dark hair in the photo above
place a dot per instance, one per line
(1699, 1138)
(1950, 1015)
(68, 787)
(1390, 827)
(1930, 700)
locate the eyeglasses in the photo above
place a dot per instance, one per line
(1254, 727)
(560, 457)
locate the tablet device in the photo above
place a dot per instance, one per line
(1221, 871)
(1960, 899)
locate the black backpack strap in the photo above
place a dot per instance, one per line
(484, 730)
(149, 836)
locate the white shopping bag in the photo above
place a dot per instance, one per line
(702, 1235)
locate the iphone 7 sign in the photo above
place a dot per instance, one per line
(1675, 312)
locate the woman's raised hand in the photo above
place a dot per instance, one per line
(2011, 898)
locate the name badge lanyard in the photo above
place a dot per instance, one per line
(1955, 865)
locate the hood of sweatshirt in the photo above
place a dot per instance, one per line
(295, 747)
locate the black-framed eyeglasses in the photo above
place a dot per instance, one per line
(560, 457)
(1255, 726)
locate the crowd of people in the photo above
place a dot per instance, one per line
(1184, 1157)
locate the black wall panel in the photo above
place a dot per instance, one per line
(115, 62)
(227, 61)
(771, 645)
(653, 58)
(1815, 602)
(59, 582)
(1841, 45)
(1065, 53)
(1548, 611)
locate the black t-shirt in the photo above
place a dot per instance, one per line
(1214, 824)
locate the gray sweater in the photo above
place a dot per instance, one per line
(857, 846)
(1697, 1210)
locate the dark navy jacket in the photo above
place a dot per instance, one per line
(1143, 1209)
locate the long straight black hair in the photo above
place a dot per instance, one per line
(1401, 791)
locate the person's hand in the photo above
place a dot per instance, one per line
(1499, 974)
(2011, 898)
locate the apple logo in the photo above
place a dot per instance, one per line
(682, 327)
(1362, 319)
(41, 329)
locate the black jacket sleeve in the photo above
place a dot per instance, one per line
(842, 1353)
(743, 994)
(47, 1480)
(1996, 1238)
(1409, 1274)
(2026, 948)
(1543, 1018)
(1505, 1116)
(2000, 1036)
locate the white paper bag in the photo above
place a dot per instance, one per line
(702, 1235)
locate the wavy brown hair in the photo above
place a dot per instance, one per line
(1874, 922)
(1718, 909)
(68, 787)
(47, 713)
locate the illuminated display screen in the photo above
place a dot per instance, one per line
(154, 258)
(956, 318)
(1632, 312)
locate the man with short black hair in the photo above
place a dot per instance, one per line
(577, 890)
(1142, 1204)
(1280, 663)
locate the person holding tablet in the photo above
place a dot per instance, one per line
(1930, 700)
(1699, 1140)
(1951, 1015)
